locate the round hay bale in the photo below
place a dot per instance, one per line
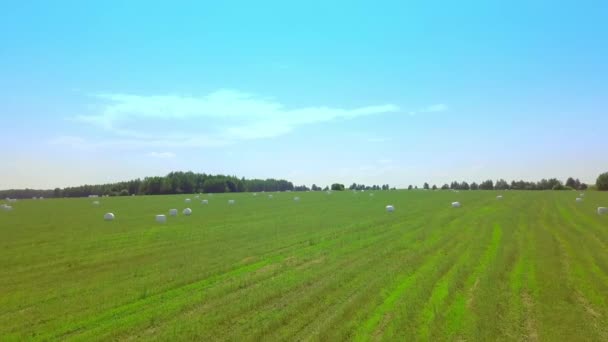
(173, 212)
(296, 199)
(579, 200)
(95, 202)
(187, 212)
(6, 207)
(581, 195)
(161, 218)
(108, 217)
(456, 205)
(602, 210)
(187, 200)
(230, 202)
(205, 202)
(269, 196)
(390, 208)
(499, 197)
(197, 197)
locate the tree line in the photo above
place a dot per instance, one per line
(190, 182)
(544, 184)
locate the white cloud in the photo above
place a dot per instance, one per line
(435, 108)
(221, 117)
(161, 155)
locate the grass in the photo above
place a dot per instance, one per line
(533, 266)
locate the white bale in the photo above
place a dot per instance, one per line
(269, 196)
(187, 212)
(231, 202)
(390, 208)
(582, 194)
(34, 198)
(296, 199)
(93, 196)
(197, 196)
(602, 210)
(6, 207)
(108, 217)
(455, 204)
(95, 202)
(578, 199)
(41, 198)
(161, 218)
(499, 197)
(205, 202)
(173, 212)
(188, 200)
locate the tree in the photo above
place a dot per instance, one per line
(571, 183)
(487, 185)
(426, 186)
(445, 187)
(337, 187)
(602, 182)
(434, 187)
(465, 186)
(124, 192)
(474, 186)
(501, 184)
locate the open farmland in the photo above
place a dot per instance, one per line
(532, 266)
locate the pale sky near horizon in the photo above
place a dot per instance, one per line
(373, 92)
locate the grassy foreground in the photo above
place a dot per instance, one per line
(533, 266)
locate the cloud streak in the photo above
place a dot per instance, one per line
(161, 155)
(435, 108)
(222, 117)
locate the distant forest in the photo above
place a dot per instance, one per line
(190, 182)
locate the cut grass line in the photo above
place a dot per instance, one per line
(135, 309)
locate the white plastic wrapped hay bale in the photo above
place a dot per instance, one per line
(187, 212)
(602, 210)
(456, 205)
(187, 200)
(230, 202)
(108, 217)
(173, 212)
(499, 197)
(6, 207)
(95, 203)
(390, 208)
(579, 200)
(269, 196)
(197, 197)
(581, 195)
(296, 199)
(204, 201)
(161, 218)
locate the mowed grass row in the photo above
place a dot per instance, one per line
(328, 267)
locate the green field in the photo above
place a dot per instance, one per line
(533, 266)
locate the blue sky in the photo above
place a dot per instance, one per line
(316, 92)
